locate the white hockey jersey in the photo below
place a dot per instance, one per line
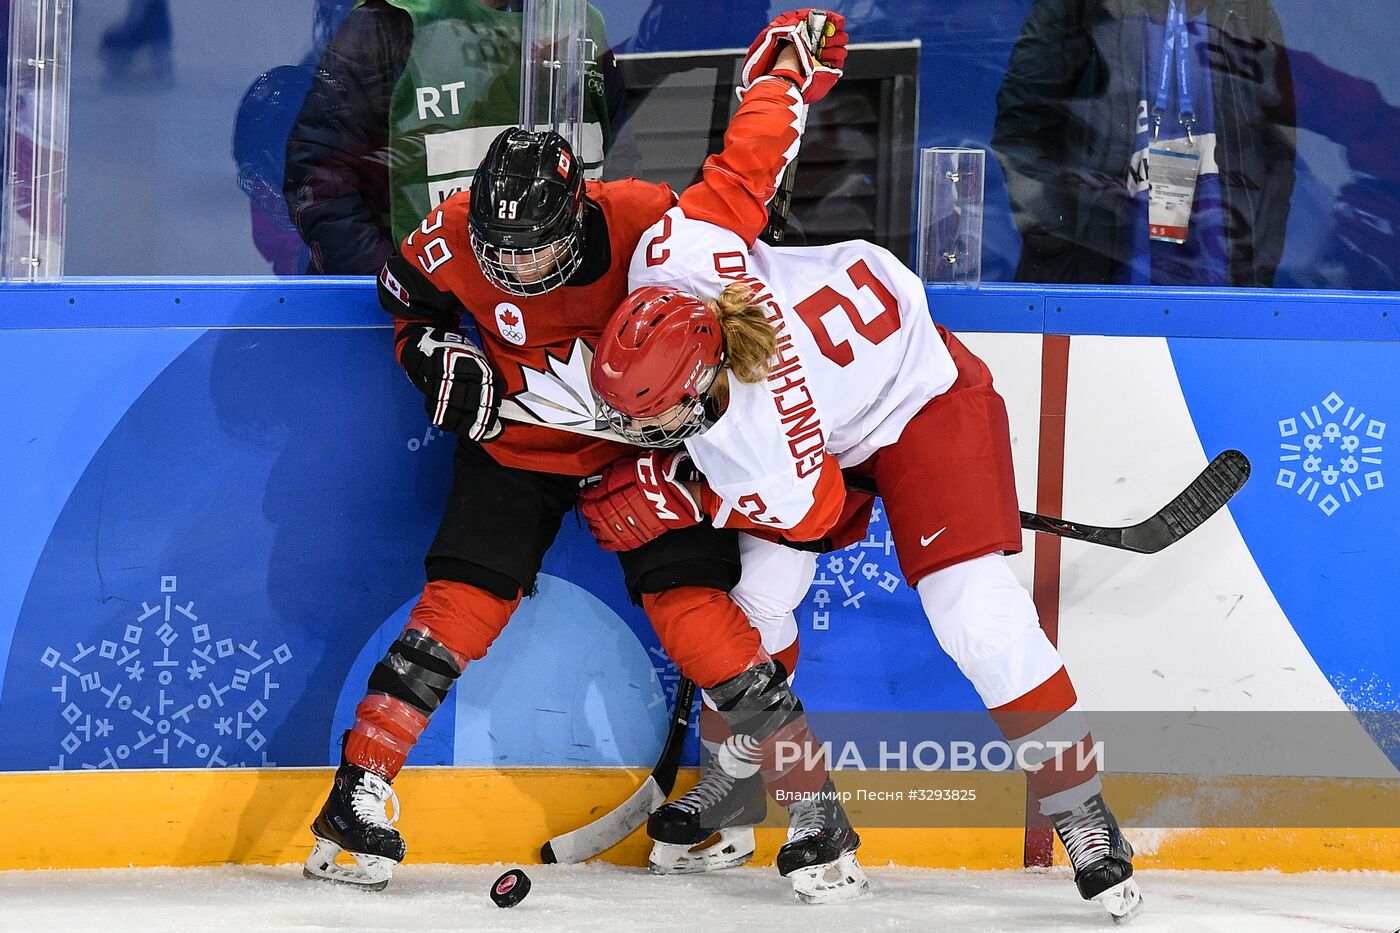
(858, 356)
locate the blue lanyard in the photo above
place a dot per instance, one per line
(1176, 55)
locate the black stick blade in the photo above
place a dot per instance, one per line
(670, 760)
(1207, 494)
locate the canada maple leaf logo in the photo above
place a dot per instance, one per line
(510, 318)
(562, 394)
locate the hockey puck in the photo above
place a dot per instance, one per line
(510, 889)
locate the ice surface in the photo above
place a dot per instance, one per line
(608, 899)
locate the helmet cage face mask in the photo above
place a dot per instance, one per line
(672, 426)
(527, 212)
(527, 272)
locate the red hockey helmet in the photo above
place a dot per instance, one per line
(655, 360)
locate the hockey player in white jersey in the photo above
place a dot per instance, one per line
(710, 827)
(770, 370)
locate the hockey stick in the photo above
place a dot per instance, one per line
(1207, 494)
(617, 824)
(1219, 481)
(782, 198)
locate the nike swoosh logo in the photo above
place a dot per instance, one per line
(926, 540)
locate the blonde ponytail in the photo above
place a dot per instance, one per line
(749, 341)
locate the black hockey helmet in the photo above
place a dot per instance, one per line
(526, 215)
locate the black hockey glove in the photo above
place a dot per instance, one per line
(462, 393)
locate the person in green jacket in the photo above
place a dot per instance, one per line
(403, 104)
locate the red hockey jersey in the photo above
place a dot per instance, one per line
(543, 344)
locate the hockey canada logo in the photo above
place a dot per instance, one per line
(510, 321)
(560, 395)
(167, 691)
(1333, 458)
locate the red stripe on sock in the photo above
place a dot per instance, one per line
(713, 728)
(807, 774)
(1036, 707)
(1068, 769)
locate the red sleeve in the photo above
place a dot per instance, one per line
(828, 500)
(401, 338)
(631, 206)
(416, 285)
(737, 183)
(440, 244)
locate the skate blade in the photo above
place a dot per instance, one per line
(733, 847)
(371, 872)
(1123, 901)
(833, 882)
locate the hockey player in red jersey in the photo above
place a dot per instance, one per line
(770, 371)
(538, 259)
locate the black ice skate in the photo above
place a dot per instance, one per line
(1102, 858)
(719, 806)
(819, 857)
(353, 820)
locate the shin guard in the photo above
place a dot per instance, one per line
(714, 730)
(452, 624)
(405, 688)
(770, 734)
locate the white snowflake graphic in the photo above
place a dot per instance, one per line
(1330, 455)
(843, 576)
(668, 676)
(168, 693)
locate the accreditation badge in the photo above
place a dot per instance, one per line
(1174, 167)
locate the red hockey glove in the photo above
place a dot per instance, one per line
(639, 499)
(818, 69)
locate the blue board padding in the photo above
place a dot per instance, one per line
(254, 447)
(993, 308)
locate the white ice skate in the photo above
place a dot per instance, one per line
(830, 882)
(730, 848)
(1122, 901)
(371, 872)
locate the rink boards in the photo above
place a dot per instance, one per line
(220, 493)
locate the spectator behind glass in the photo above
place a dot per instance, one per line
(1085, 95)
(1363, 245)
(402, 106)
(678, 25)
(138, 48)
(260, 130)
